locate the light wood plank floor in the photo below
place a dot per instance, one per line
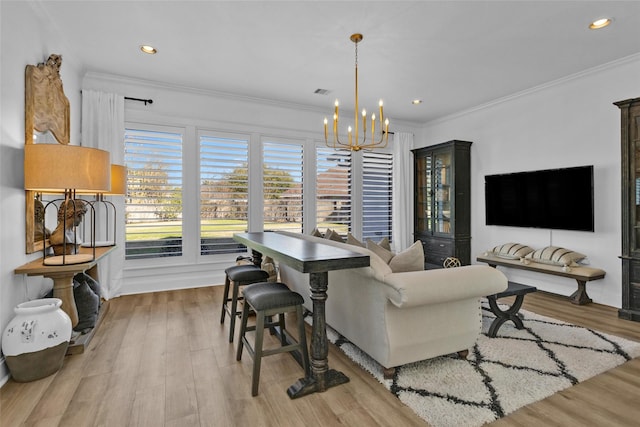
(163, 359)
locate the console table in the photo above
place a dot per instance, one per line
(62, 276)
(317, 259)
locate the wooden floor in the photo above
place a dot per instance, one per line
(163, 359)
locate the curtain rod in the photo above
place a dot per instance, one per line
(146, 101)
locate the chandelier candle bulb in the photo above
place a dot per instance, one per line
(364, 124)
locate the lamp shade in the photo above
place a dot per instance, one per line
(54, 168)
(118, 180)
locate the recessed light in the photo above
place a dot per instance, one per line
(148, 49)
(600, 23)
(416, 101)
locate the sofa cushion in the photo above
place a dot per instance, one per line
(411, 259)
(555, 255)
(511, 251)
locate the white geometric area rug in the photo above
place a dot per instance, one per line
(501, 374)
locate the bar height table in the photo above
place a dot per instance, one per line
(317, 259)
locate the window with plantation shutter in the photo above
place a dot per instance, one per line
(282, 184)
(377, 178)
(224, 192)
(153, 205)
(333, 190)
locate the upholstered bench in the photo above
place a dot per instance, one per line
(581, 274)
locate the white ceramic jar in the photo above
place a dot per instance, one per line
(35, 341)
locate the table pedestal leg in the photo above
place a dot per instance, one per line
(502, 316)
(321, 377)
(580, 296)
(63, 289)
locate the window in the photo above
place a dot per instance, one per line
(282, 183)
(188, 190)
(154, 193)
(333, 190)
(377, 183)
(224, 192)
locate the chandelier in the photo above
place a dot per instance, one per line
(356, 141)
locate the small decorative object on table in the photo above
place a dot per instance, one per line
(451, 262)
(35, 341)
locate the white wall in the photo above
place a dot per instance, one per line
(26, 39)
(571, 122)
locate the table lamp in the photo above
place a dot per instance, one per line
(67, 169)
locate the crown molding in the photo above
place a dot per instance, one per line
(584, 73)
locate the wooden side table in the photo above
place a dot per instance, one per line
(62, 276)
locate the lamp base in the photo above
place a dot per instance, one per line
(67, 259)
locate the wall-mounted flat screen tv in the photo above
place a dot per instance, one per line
(559, 199)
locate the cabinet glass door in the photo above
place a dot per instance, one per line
(424, 199)
(442, 176)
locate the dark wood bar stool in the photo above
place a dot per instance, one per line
(238, 275)
(268, 299)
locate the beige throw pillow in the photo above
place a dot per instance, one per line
(383, 253)
(511, 251)
(332, 235)
(355, 242)
(385, 243)
(555, 255)
(316, 233)
(411, 259)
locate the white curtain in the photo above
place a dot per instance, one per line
(103, 128)
(402, 204)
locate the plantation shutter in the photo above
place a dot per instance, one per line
(153, 205)
(282, 181)
(377, 195)
(224, 196)
(333, 192)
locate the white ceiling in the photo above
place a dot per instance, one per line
(454, 55)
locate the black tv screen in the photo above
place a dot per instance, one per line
(560, 199)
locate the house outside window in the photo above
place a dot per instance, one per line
(282, 175)
(333, 190)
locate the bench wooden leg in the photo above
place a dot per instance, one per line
(580, 296)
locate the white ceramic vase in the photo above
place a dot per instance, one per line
(35, 341)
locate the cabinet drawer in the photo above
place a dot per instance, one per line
(435, 258)
(440, 246)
